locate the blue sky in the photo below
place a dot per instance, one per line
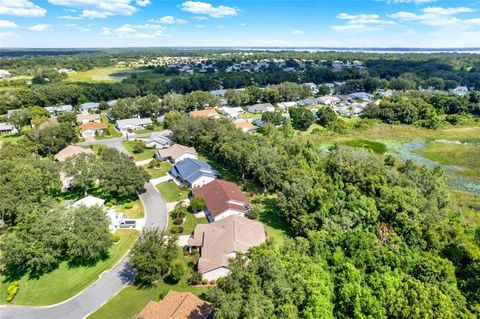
(324, 23)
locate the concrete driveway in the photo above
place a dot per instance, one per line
(106, 287)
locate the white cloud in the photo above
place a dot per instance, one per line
(200, 18)
(4, 35)
(168, 20)
(200, 26)
(7, 24)
(360, 22)
(132, 31)
(39, 27)
(101, 8)
(243, 24)
(296, 32)
(22, 8)
(198, 7)
(273, 42)
(437, 17)
(142, 3)
(346, 16)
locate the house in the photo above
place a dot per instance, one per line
(386, 93)
(88, 118)
(312, 86)
(4, 74)
(112, 103)
(71, 150)
(89, 201)
(245, 126)
(130, 125)
(57, 110)
(7, 128)
(307, 102)
(218, 93)
(193, 172)
(222, 199)
(212, 113)
(261, 108)
(176, 153)
(222, 240)
(159, 139)
(460, 90)
(328, 100)
(89, 106)
(361, 95)
(286, 105)
(177, 305)
(233, 112)
(91, 128)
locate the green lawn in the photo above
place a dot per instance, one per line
(111, 131)
(188, 225)
(159, 171)
(376, 147)
(146, 154)
(248, 115)
(65, 282)
(171, 192)
(131, 300)
(137, 211)
(463, 159)
(97, 75)
(13, 138)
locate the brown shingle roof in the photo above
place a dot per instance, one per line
(175, 151)
(71, 150)
(81, 117)
(221, 195)
(205, 113)
(244, 124)
(233, 234)
(92, 126)
(177, 305)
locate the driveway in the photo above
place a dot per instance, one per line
(106, 287)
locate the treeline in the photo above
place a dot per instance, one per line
(424, 109)
(375, 239)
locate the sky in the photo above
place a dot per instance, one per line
(271, 23)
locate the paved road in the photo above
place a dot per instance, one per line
(110, 283)
(115, 142)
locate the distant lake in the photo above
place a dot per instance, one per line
(365, 50)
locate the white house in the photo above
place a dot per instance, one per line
(7, 128)
(89, 106)
(233, 112)
(285, 105)
(159, 139)
(57, 110)
(261, 108)
(129, 125)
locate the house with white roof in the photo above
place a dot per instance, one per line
(57, 110)
(233, 112)
(285, 105)
(7, 128)
(89, 106)
(159, 139)
(130, 125)
(261, 108)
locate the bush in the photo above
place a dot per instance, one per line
(109, 205)
(138, 146)
(178, 221)
(116, 238)
(204, 281)
(12, 290)
(212, 282)
(128, 205)
(177, 271)
(195, 279)
(176, 230)
(197, 204)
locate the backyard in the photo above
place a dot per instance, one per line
(65, 281)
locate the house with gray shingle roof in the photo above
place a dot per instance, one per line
(193, 172)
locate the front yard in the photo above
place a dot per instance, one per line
(65, 281)
(160, 171)
(131, 300)
(146, 153)
(188, 225)
(111, 131)
(171, 192)
(131, 209)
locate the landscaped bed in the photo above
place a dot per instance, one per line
(65, 281)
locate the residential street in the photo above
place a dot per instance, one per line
(110, 283)
(115, 142)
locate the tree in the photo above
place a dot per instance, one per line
(197, 204)
(152, 255)
(325, 116)
(138, 146)
(301, 117)
(52, 138)
(177, 271)
(272, 117)
(85, 170)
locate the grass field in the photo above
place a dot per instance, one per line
(376, 147)
(137, 211)
(110, 74)
(171, 192)
(146, 154)
(159, 171)
(131, 300)
(463, 159)
(13, 138)
(248, 115)
(65, 282)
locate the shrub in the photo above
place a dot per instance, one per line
(12, 290)
(212, 282)
(178, 221)
(197, 204)
(138, 146)
(204, 281)
(176, 230)
(116, 238)
(177, 271)
(128, 205)
(195, 279)
(109, 205)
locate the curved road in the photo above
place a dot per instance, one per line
(109, 284)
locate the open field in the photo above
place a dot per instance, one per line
(131, 300)
(376, 147)
(171, 192)
(462, 159)
(65, 281)
(109, 74)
